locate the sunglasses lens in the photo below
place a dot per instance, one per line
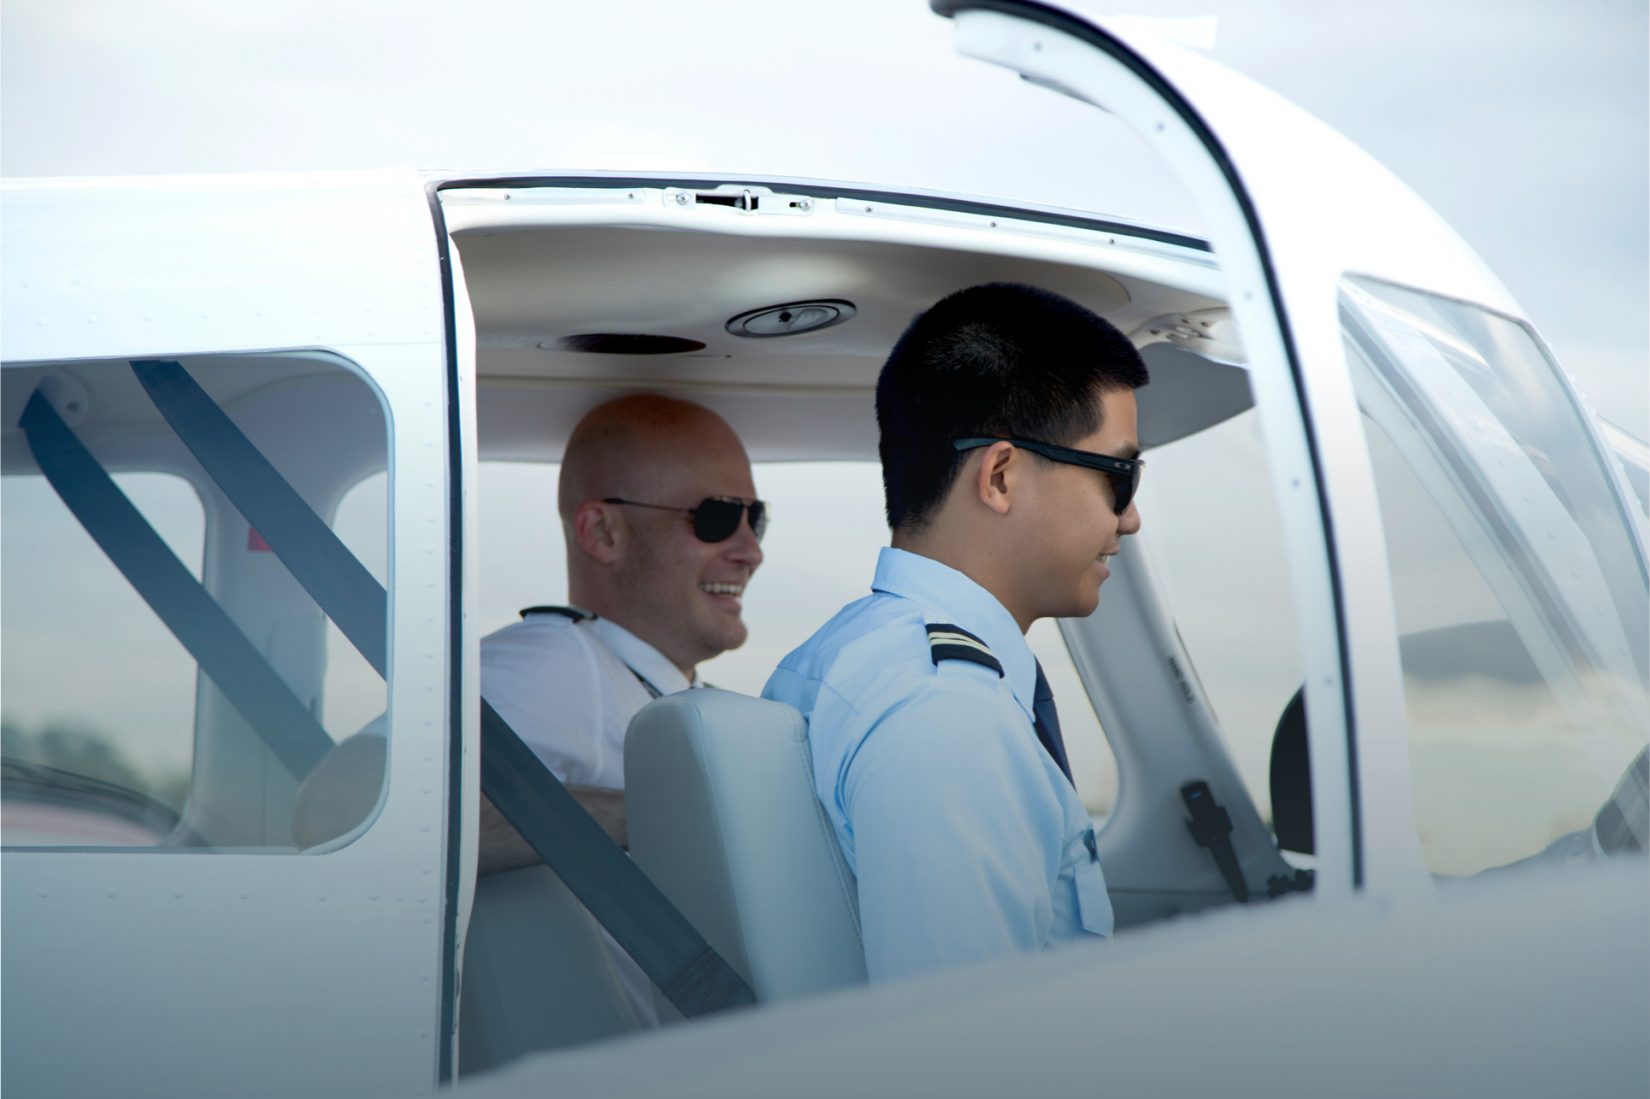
(716, 520)
(1123, 487)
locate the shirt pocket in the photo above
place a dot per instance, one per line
(1093, 902)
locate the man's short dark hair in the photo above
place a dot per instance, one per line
(999, 359)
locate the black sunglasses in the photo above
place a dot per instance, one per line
(716, 518)
(1123, 472)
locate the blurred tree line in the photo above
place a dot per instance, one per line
(81, 750)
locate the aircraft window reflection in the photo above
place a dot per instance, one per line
(1520, 603)
(165, 675)
(819, 553)
(99, 697)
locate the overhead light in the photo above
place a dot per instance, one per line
(791, 319)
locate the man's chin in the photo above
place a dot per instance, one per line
(732, 639)
(1082, 605)
(721, 636)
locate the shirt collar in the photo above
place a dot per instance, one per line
(948, 596)
(642, 658)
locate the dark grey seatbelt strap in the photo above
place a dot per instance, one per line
(201, 626)
(326, 569)
(622, 899)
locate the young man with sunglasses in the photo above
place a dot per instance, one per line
(1010, 460)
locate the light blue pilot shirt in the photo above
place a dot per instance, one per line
(967, 840)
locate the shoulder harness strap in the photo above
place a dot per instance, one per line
(575, 613)
(948, 642)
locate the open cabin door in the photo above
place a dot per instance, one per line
(1381, 353)
(179, 353)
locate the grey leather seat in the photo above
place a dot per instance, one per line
(537, 974)
(722, 816)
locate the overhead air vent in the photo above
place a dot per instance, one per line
(1211, 333)
(791, 319)
(624, 343)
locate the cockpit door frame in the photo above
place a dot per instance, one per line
(1289, 207)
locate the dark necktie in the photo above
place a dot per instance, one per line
(1047, 722)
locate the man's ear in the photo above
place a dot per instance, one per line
(995, 476)
(597, 531)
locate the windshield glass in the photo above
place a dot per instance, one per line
(1519, 591)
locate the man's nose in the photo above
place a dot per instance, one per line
(1129, 521)
(743, 548)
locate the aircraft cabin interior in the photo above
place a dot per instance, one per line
(723, 294)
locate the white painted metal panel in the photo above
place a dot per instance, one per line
(193, 972)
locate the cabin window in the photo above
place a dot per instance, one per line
(98, 697)
(1519, 597)
(1212, 531)
(168, 681)
(819, 554)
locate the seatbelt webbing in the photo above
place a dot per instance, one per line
(622, 899)
(322, 565)
(201, 626)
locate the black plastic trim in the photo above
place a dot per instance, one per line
(450, 962)
(1066, 23)
(819, 188)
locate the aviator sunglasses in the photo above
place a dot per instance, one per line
(716, 518)
(1123, 472)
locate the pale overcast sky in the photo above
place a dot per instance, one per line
(1523, 121)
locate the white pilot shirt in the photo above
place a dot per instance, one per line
(569, 689)
(967, 840)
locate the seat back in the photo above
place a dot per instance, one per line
(538, 972)
(719, 797)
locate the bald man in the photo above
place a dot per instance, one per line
(662, 526)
